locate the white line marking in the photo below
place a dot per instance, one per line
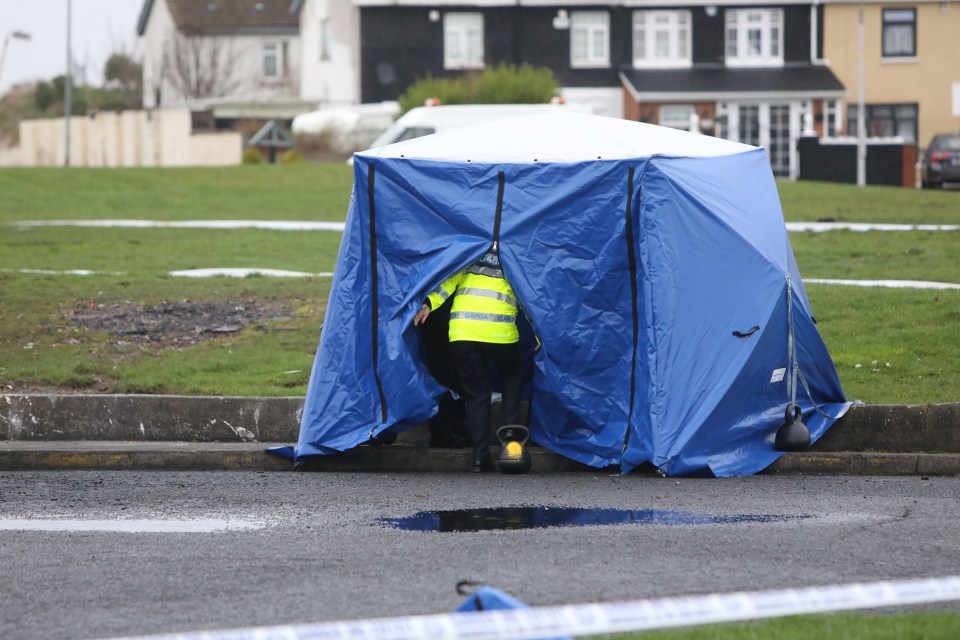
(895, 284)
(128, 526)
(306, 225)
(232, 272)
(820, 227)
(244, 272)
(270, 225)
(68, 272)
(241, 272)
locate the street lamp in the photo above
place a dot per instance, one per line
(67, 98)
(13, 35)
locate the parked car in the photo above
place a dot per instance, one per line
(941, 163)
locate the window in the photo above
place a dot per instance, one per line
(275, 60)
(749, 120)
(270, 59)
(899, 33)
(886, 120)
(676, 116)
(590, 39)
(831, 118)
(325, 39)
(462, 40)
(661, 39)
(754, 37)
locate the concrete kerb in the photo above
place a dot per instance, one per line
(147, 432)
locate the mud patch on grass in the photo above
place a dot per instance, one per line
(175, 324)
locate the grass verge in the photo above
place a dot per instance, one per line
(839, 626)
(889, 345)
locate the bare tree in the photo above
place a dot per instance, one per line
(200, 67)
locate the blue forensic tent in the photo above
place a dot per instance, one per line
(653, 264)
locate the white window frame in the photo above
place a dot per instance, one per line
(592, 30)
(462, 40)
(271, 51)
(754, 37)
(325, 39)
(662, 39)
(279, 52)
(677, 116)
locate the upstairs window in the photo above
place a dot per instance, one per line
(754, 37)
(325, 39)
(275, 60)
(462, 40)
(899, 33)
(590, 39)
(661, 39)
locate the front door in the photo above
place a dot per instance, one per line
(767, 125)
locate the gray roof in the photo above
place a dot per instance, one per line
(213, 17)
(719, 82)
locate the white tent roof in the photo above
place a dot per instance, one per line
(557, 137)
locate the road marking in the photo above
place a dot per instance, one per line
(206, 525)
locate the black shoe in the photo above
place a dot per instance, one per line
(483, 465)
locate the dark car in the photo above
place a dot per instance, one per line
(942, 161)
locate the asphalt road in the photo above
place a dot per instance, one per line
(212, 550)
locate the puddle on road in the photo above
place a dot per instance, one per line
(209, 525)
(546, 517)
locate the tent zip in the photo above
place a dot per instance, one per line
(374, 303)
(501, 183)
(501, 179)
(632, 255)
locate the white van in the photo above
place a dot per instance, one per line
(422, 121)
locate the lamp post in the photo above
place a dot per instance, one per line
(861, 108)
(67, 98)
(13, 35)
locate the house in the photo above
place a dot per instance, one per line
(330, 51)
(911, 66)
(752, 73)
(248, 58)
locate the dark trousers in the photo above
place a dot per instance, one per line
(473, 360)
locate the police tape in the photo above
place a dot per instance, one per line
(597, 619)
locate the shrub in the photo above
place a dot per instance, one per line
(447, 90)
(502, 84)
(252, 155)
(291, 156)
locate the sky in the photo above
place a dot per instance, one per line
(98, 28)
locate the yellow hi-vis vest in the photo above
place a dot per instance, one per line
(484, 307)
